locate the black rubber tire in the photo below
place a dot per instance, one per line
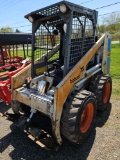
(72, 113)
(97, 86)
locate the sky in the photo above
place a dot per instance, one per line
(12, 12)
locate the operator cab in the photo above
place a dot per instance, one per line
(61, 36)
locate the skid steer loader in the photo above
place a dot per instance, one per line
(59, 93)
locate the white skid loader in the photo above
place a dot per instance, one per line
(59, 93)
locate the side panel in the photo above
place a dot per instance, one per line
(63, 89)
(106, 54)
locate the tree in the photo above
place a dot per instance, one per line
(102, 25)
(6, 29)
(112, 22)
(17, 31)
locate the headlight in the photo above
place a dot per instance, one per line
(30, 19)
(63, 8)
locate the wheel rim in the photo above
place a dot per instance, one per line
(86, 117)
(106, 93)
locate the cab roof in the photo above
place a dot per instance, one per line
(54, 10)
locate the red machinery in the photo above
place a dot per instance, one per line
(10, 46)
(11, 62)
(9, 54)
(5, 79)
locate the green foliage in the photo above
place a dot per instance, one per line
(116, 36)
(6, 29)
(111, 24)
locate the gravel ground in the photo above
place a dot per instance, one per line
(103, 143)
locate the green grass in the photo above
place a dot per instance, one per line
(115, 70)
(116, 45)
(21, 53)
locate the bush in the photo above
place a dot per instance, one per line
(116, 37)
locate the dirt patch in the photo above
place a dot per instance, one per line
(102, 144)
